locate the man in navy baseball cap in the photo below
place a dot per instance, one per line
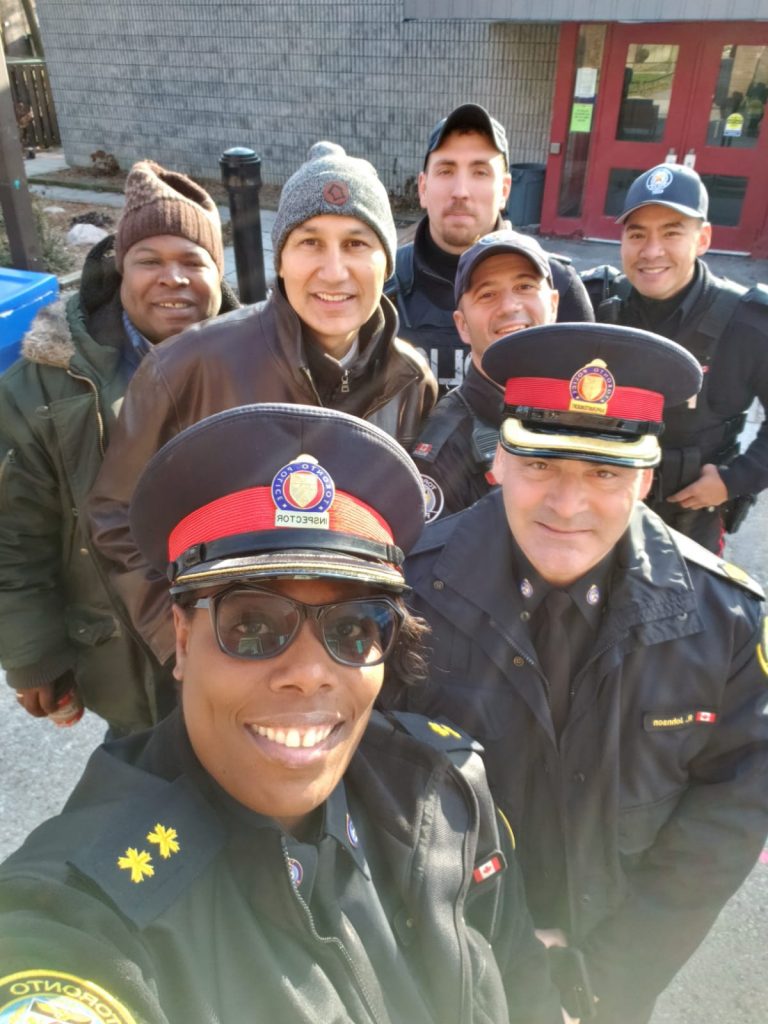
(503, 285)
(672, 185)
(705, 485)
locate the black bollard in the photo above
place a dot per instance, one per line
(241, 175)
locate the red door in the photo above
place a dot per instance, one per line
(693, 93)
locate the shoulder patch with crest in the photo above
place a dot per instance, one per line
(52, 997)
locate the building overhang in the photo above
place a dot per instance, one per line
(583, 10)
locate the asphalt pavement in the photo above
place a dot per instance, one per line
(726, 982)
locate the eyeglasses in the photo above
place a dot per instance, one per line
(256, 624)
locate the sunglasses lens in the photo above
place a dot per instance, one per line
(360, 632)
(254, 625)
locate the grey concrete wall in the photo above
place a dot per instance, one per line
(182, 80)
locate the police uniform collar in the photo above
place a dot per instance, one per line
(589, 593)
(340, 825)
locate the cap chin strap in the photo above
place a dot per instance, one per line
(644, 453)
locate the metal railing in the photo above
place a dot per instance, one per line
(33, 102)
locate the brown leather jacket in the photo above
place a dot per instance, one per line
(256, 354)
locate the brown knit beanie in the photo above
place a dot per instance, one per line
(160, 202)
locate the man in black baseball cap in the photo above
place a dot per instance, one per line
(275, 849)
(614, 670)
(503, 284)
(464, 186)
(705, 486)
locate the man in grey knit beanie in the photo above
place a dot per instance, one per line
(332, 182)
(326, 336)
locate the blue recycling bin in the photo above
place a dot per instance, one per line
(22, 294)
(525, 198)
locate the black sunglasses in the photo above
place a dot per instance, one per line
(253, 624)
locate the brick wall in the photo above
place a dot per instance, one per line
(182, 80)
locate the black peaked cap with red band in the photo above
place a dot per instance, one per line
(591, 391)
(278, 491)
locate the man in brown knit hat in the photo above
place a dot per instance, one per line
(63, 640)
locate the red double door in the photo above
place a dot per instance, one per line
(689, 93)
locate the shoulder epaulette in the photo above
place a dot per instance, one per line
(693, 552)
(605, 272)
(441, 424)
(152, 850)
(438, 733)
(757, 294)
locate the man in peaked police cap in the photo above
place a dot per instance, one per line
(614, 670)
(274, 850)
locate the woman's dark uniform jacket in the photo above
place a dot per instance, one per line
(657, 797)
(220, 931)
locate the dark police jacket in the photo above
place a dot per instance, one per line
(726, 328)
(429, 325)
(456, 448)
(654, 806)
(176, 901)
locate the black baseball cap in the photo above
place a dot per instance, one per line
(473, 116)
(278, 491)
(672, 185)
(494, 244)
(593, 392)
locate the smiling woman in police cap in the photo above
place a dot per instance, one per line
(613, 669)
(275, 847)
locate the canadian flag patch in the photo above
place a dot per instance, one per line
(422, 448)
(489, 868)
(706, 716)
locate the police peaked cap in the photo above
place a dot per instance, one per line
(278, 491)
(587, 391)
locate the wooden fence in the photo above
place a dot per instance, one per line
(33, 102)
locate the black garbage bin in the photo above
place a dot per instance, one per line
(524, 204)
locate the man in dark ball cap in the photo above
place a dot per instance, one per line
(613, 669)
(275, 850)
(705, 484)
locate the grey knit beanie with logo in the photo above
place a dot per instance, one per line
(332, 182)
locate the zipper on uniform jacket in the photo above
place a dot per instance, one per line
(337, 944)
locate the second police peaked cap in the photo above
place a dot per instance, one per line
(278, 491)
(673, 185)
(595, 392)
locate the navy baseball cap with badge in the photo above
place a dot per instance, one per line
(274, 491)
(495, 244)
(593, 392)
(672, 185)
(473, 117)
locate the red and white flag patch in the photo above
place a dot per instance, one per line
(488, 868)
(706, 716)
